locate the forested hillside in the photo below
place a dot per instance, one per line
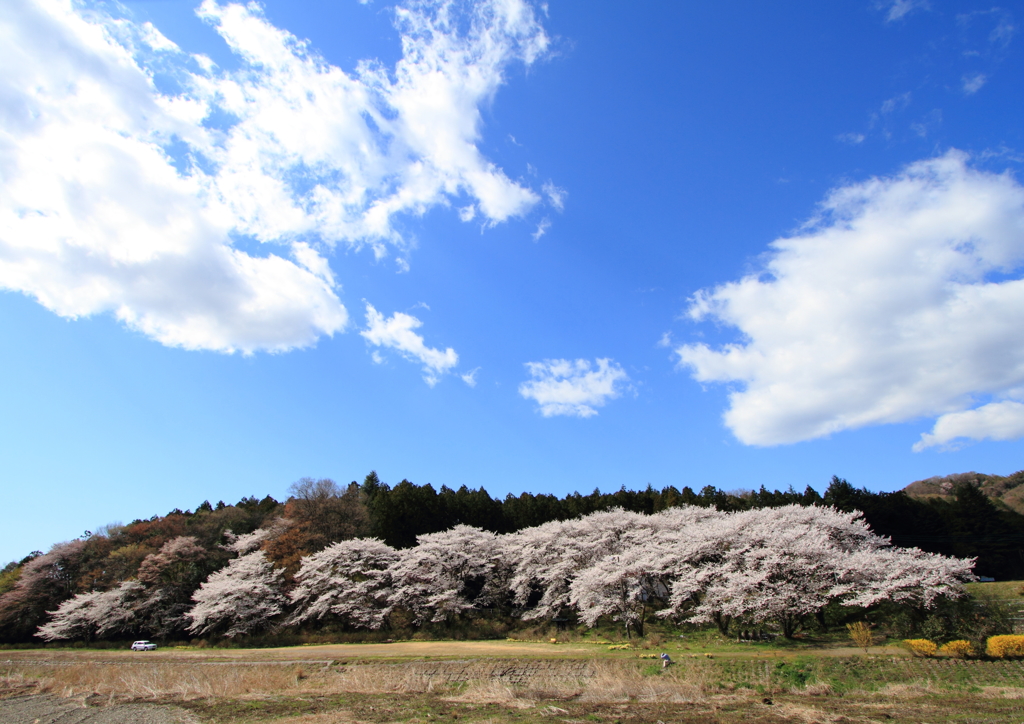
(1006, 492)
(160, 563)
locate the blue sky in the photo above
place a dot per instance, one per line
(542, 247)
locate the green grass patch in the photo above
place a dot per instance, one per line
(1002, 590)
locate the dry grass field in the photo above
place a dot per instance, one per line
(498, 682)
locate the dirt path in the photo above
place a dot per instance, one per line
(47, 709)
(836, 651)
(327, 652)
(401, 650)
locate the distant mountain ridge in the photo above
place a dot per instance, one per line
(1006, 492)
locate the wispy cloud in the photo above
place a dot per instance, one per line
(852, 138)
(884, 309)
(470, 377)
(575, 388)
(998, 38)
(120, 196)
(396, 332)
(973, 82)
(894, 104)
(556, 195)
(898, 9)
(1004, 30)
(928, 123)
(881, 120)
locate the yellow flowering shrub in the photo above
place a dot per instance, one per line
(921, 647)
(957, 649)
(861, 634)
(1005, 647)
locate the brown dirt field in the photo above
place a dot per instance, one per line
(47, 709)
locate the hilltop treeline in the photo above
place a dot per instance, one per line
(171, 555)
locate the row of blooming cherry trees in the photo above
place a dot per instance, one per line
(768, 566)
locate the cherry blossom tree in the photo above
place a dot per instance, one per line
(239, 599)
(45, 582)
(783, 565)
(445, 574)
(903, 575)
(550, 559)
(170, 576)
(779, 565)
(771, 565)
(778, 572)
(628, 575)
(74, 619)
(155, 604)
(248, 542)
(97, 614)
(547, 558)
(351, 580)
(623, 586)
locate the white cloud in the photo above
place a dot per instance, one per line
(852, 138)
(894, 104)
(556, 195)
(396, 332)
(155, 39)
(565, 387)
(897, 9)
(931, 121)
(308, 258)
(994, 421)
(882, 120)
(901, 300)
(542, 228)
(973, 83)
(93, 216)
(121, 197)
(470, 377)
(1004, 30)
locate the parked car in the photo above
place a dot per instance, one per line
(143, 646)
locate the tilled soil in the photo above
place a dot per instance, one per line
(48, 709)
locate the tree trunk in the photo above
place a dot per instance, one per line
(790, 625)
(723, 621)
(640, 621)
